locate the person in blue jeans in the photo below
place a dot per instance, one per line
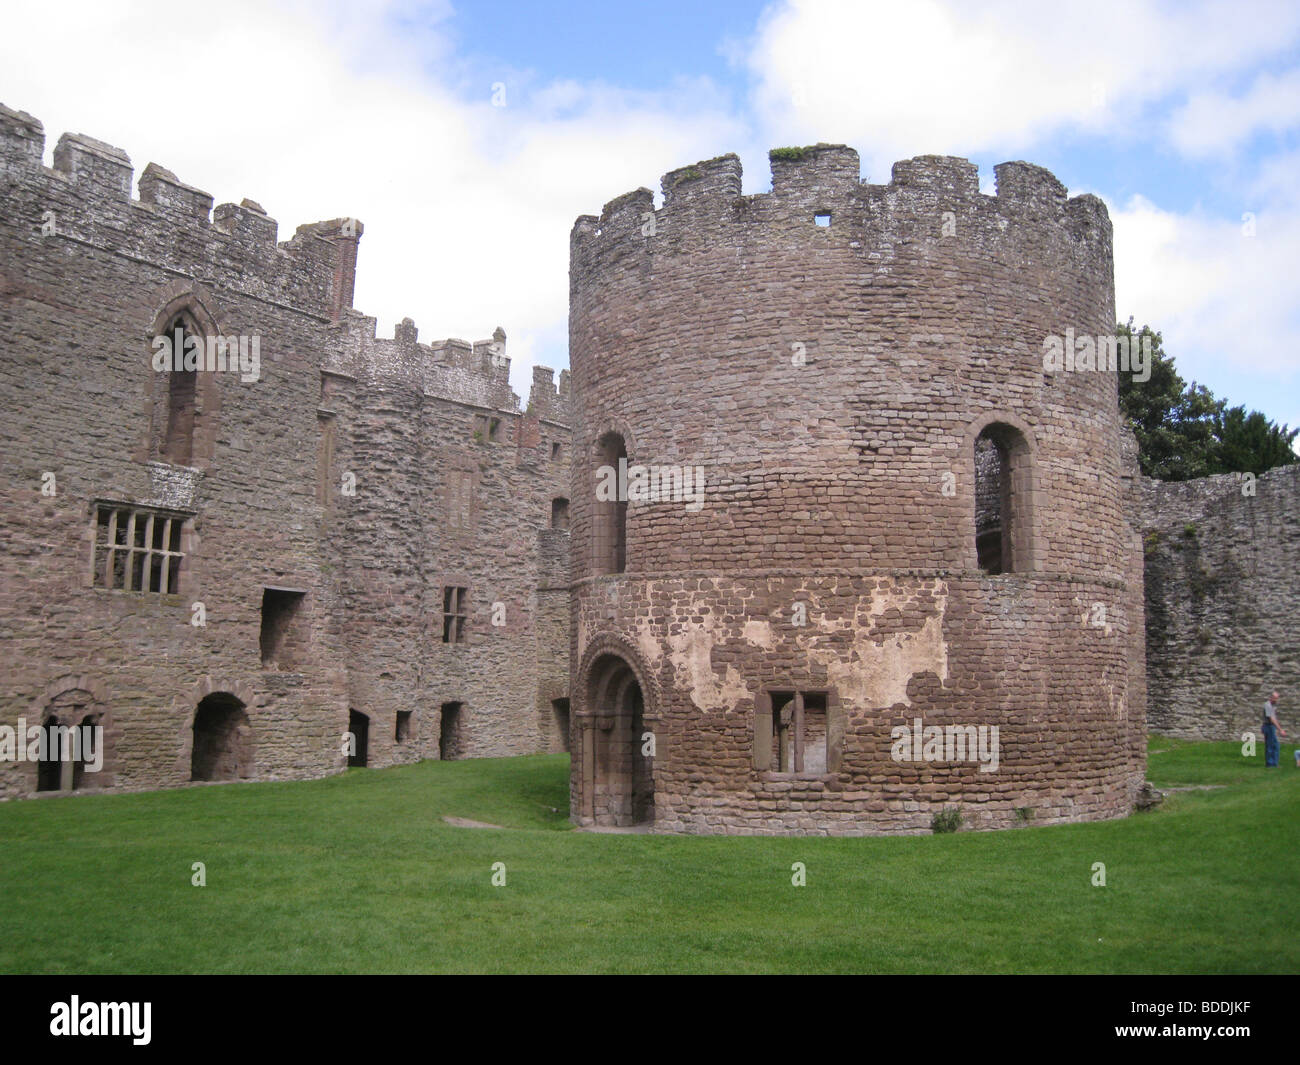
(1271, 732)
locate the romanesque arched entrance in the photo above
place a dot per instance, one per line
(621, 781)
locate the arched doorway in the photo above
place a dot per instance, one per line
(222, 739)
(621, 779)
(359, 749)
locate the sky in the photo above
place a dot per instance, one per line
(467, 137)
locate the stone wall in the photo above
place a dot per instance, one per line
(831, 381)
(1222, 591)
(325, 477)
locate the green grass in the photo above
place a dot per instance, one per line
(358, 873)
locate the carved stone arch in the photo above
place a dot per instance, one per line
(1004, 417)
(185, 297)
(183, 407)
(1018, 505)
(610, 644)
(614, 777)
(617, 426)
(76, 700)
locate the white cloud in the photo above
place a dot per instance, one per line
(1211, 123)
(319, 113)
(905, 79)
(1227, 303)
(370, 110)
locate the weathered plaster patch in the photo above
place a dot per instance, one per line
(876, 673)
(759, 633)
(692, 657)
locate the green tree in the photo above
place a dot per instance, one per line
(1183, 431)
(1172, 420)
(1251, 442)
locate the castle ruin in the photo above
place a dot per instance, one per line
(907, 523)
(809, 501)
(353, 552)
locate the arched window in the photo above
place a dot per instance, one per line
(74, 737)
(1003, 500)
(609, 528)
(182, 391)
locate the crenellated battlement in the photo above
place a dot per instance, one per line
(928, 198)
(476, 373)
(85, 198)
(547, 400)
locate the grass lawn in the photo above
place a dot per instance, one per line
(359, 873)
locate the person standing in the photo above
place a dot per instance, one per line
(1272, 729)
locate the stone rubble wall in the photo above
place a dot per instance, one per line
(87, 275)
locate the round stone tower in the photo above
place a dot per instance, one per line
(848, 539)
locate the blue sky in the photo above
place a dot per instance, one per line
(1183, 117)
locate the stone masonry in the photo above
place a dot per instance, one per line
(852, 501)
(345, 556)
(1223, 591)
(832, 355)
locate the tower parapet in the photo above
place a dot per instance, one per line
(85, 198)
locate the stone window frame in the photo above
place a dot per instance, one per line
(487, 428)
(560, 512)
(182, 553)
(459, 499)
(72, 700)
(455, 614)
(764, 734)
(191, 302)
(285, 643)
(1025, 479)
(609, 519)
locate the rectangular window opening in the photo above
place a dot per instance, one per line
(137, 550)
(454, 613)
(487, 429)
(800, 733)
(559, 513)
(283, 636)
(460, 500)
